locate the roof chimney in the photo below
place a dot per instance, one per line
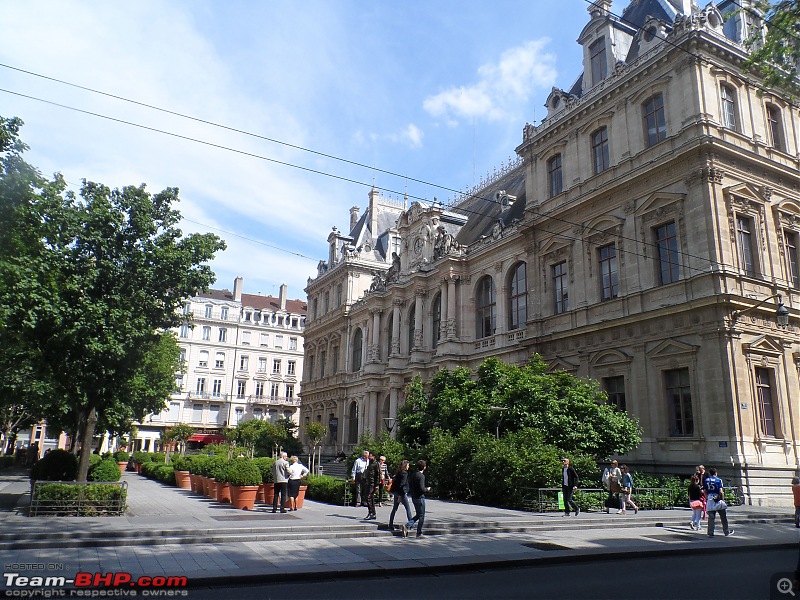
(238, 283)
(353, 217)
(283, 296)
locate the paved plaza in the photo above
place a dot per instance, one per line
(170, 532)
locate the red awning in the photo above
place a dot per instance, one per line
(207, 438)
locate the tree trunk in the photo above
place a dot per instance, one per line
(86, 445)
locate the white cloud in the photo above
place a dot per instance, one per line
(501, 87)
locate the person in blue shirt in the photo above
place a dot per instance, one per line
(715, 503)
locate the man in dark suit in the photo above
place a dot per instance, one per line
(569, 483)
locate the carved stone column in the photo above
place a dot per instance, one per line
(396, 327)
(444, 314)
(374, 348)
(393, 394)
(418, 316)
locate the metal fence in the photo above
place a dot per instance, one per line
(86, 499)
(547, 499)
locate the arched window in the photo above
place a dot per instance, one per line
(412, 323)
(518, 297)
(352, 424)
(485, 308)
(358, 343)
(437, 318)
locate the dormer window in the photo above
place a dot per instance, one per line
(597, 59)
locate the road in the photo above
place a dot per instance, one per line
(744, 575)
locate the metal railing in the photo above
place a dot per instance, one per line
(85, 499)
(546, 499)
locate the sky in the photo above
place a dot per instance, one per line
(435, 92)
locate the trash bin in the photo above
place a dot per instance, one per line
(560, 500)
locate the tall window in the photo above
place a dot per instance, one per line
(728, 99)
(334, 360)
(223, 334)
(485, 308)
(744, 244)
(209, 308)
(238, 415)
(339, 295)
(679, 400)
(518, 298)
(310, 366)
(597, 58)
(184, 331)
(259, 389)
(358, 343)
(326, 301)
(291, 367)
(276, 366)
(201, 385)
(279, 342)
(615, 389)
(600, 156)
(241, 389)
(246, 335)
(775, 125)
(207, 333)
(197, 413)
(667, 244)
(323, 359)
(264, 340)
(244, 363)
(219, 361)
(437, 318)
(289, 390)
(223, 313)
(560, 287)
(412, 324)
(609, 275)
(554, 176)
(765, 409)
(274, 390)
(262, 365)
(216, 389)
(790, 240)
(203, 362)
(292, 343)
(655, 124)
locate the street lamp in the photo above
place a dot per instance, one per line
(781, 312)
(390, 423)
(498, 409)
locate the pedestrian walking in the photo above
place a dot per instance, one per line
(359, 466)
(612, 477)
(400, 492)
(372, 477)
(384, 469)
(280, 473)
(715, 502)
(569, 484)
(297, 471)
(626, 489)
(796, 494)
(695, 494)
(417, 489)
(700, 471)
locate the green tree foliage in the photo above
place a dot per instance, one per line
(89, 285)
(179, 433)
(776, 54)
(315, 432)
(381, 445)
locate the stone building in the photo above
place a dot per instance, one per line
(646, 236)
(243, 359)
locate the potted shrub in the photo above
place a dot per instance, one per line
(122, 458)
(181, 466)
(217, 471)
(244, 478)
(195, 473)
(139, 458)
(104, 470)
(266, 489)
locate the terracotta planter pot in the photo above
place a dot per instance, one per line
(193, 481)
(182, 480)
(138, 468)
(223, 491)
(209, 489)
(122, 466)
(300, 497)
(244, 496)
(265, 493)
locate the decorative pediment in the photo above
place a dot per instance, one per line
(788, 213)
(669, 348)
(745, 193)
(764, 344)
(604, 229)
(559, 364)
(555, 249)
(659, 204)
(609, 357)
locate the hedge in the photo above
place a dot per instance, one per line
(81, 500)
(264, 464)
(324, 488)
(6, 462)
(58, 465)
(159, 472)
(104, 470)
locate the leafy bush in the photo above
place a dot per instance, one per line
(242, 471)
(264, 465)
(181, 463)
(158, 457)
(94, 459)
(217, 467)
(217, 449)
(324, 488)
(58, 465)
(121, 456)
(105, 470)
(140, 457)
(159, 472)
(197, 465)
(81, 500)
(6, 462)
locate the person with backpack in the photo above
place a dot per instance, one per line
(715, 502)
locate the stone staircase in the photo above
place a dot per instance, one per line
(335, 469)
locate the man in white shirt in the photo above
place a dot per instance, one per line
(359, 467)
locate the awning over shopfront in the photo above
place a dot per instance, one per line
(207, 438)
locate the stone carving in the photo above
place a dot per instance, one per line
(393, 274)
(322, 267)
(444, 243)
(378, 283)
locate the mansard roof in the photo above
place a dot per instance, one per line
(638, 12)
(299, 307)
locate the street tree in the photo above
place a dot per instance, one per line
(91, 282)
(315, 432)
(775, 49)
(179, 434)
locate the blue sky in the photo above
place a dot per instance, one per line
(435, 91)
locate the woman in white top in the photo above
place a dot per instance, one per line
(297, 471)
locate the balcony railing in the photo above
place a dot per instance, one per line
(283, 400)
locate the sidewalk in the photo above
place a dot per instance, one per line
(174, 532)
